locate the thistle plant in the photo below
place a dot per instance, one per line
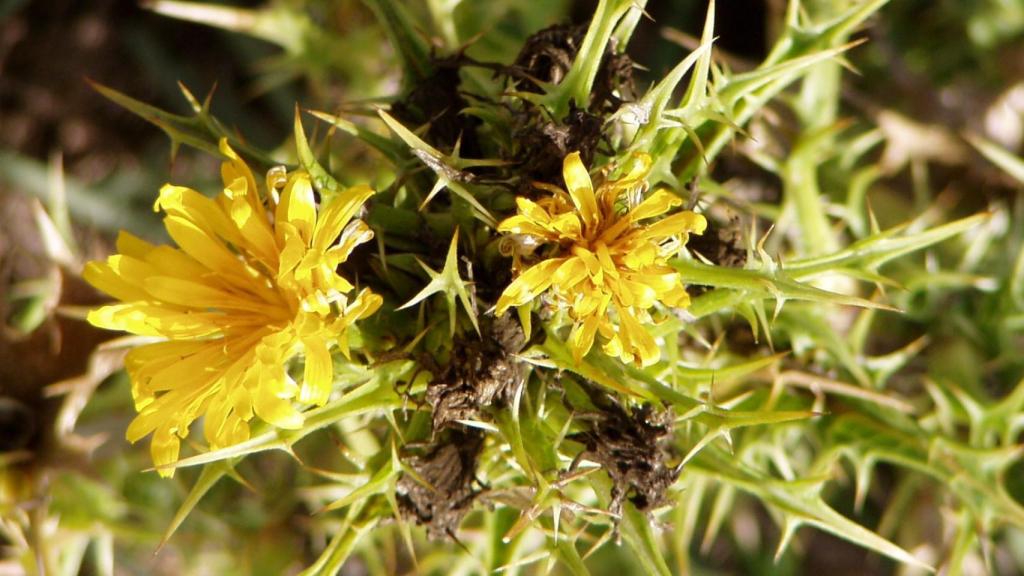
(514, 308)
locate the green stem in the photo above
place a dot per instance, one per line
(580, 79)
(341, 546)
(800, 175)
(411, 47)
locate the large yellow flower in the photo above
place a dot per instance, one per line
(607, 264)
(253, 283)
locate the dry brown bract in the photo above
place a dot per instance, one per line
(548, 55)
(722, 244)
(444, 491)
(629, 447)
(481, 373)
(437, 102)
(542, 142)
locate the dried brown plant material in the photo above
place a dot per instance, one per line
(548, 55)
(721, 244)
(629, 446)
(441, 492)
(481, 373)
(436, 101)
(546, 58)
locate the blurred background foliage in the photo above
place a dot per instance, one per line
(929, 128)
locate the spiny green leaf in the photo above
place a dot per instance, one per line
(723, 374)
(579, 80)
(639, 535)
(448, 168)
(326, 184)
(743, 95)
(391, 151)
(717, 420)
(570, 557)
(624, 30)
(449, 283)
(1012, 165)
(558, 352)
(380, 481)
(877, 249)
(410, 45)
(201, 131)
(780, 285)
(211, 474)
(795, 503)
(341, 546)
(696, 92)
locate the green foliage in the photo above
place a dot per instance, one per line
(861, 380)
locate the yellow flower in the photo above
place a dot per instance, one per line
(252, 283)
(607, 263)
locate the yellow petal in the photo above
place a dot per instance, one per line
(273, 410)
(146, 319)
(240, 395)
(658, 203)
(580, 189)
(582, 337)
(569, 274)
(588, 258)
(202, 246)
(525, 225)
(232, 430)
(623, 295)
(170, 261)
(605, 258)
(131, 269)
(216, 422)
(674, 225)
(336, 215)
(661, 280)
(131, 245)
(592, 302)
(336, 283)
(316, 382)
(568, 227)
(642, 295)
(234, 168)
(189, 294)
(528, 285)
(640, 344)
(532, 211)
(638, 257)
(676, 297)
(365, 304)
(639, 165)
(293, 249)
(197, 208)
(356, 233)
(104, 278)
(235, 431)
(613, 347)
(161, 354)
(255, 236)
(551, 188)
(164, 449)
(297, 207)
(142, 425)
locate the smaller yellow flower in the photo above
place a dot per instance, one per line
(606, 263)
(252, 283)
